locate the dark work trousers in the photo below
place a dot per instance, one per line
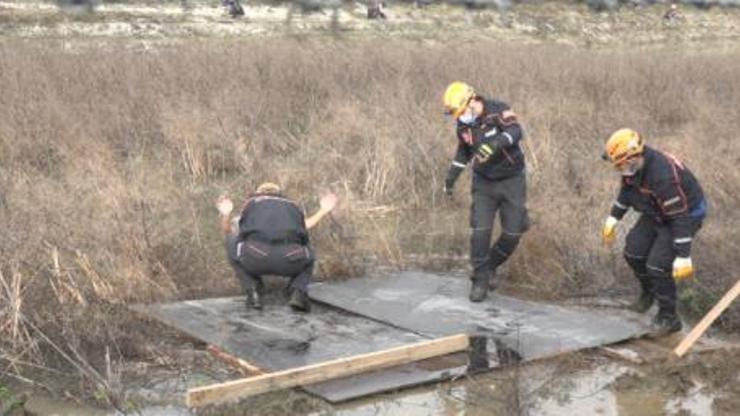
(649, 252)
(508, 197)
(252, 259)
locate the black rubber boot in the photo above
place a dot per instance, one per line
(643, 303)
(493, 279)
(479, 291)
(299, 301)
(665, 324)
(254, 299)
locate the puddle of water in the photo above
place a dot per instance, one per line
(585, 392)
(545, 390)
(697, 402)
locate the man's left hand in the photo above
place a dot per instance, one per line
(682, 268)
(485, 150)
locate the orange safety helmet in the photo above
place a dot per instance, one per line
(456, 98)
(623, 145)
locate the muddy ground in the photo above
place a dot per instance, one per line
(590, 382)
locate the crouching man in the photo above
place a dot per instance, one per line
(272, 238)
(672, 208)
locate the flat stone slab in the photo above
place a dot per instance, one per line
(435, 306)
(277, 338)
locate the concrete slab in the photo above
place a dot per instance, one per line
(384, 312)
(435, 306)
(277, 339)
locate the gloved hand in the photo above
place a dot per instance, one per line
(485, 150)
(449, 186)
(609, 232)
(682, 268)
(448, 189)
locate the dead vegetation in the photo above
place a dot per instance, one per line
(110, 160)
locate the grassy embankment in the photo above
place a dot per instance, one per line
(110, 161)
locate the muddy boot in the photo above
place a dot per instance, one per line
(254, 296)
(479, 291)
(643, 303)
(254, 299)
(299, 301)
(665, 324)
(493, 280)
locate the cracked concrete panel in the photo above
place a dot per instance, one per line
(435, 306)
(277, 339)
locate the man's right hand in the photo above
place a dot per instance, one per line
(609, 232)
(224, 205)
(448, 188)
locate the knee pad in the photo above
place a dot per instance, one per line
(507, 243)
(637, 264)
(504, 247)
(658, 271)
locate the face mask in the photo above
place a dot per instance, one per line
(467, 117)
(630, 168)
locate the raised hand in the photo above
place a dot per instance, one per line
(328, 202)
(224, 204)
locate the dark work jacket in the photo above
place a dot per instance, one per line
(498, 128)
(272, 219)
(667, 191)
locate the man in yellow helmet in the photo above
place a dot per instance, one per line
(672, 207)
(272, 239)
(488, 134)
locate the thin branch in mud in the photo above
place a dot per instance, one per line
(82, 366)
(29, 381)
(15, 361)
(11, 316)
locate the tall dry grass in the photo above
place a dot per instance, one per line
(110, 159)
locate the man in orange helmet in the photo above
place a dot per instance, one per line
(672, 207)
(488, 135)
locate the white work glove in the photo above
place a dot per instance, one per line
(609, 232)
(224, 205)
(682, 268)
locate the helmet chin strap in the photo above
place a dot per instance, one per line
(631, 167)
(629, 170)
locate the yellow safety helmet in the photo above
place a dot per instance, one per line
(623, 145)
(456, 98)
(268, 188)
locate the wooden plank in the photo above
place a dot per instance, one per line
(624, 353)
(243, 366)
(708, 319)
(325, 371)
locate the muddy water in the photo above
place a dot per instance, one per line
(587, 391)
(584, 384)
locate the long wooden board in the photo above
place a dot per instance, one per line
(708, 319)
(325, 371)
